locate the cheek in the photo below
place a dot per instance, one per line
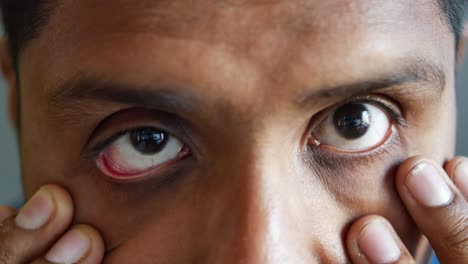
(370, 190)
(47, 159)
(42, 149)
(48, 148)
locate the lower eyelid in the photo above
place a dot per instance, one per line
(105, 167)
(335, 160)
(392, 132)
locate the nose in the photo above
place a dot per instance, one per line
(264, 216)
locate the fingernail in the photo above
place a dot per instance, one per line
(71, 248)
(427, 186)
(376, 242)
(460, 177)
(37, 211)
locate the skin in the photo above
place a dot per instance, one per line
(254, 73)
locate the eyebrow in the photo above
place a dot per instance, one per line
(69, 95)
(99, 88)
(413, 71)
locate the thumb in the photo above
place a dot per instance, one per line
(437, 206)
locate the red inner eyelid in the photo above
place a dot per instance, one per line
(112, 170)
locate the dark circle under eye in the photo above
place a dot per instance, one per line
(352, 120)
(148, 141)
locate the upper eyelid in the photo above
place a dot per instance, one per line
(382, 100)
(392, 108)
(118, 123)
(389, 105)
(100, 146)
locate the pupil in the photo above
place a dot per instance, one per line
(148, 141)
(352, 120)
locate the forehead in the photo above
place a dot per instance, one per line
(214, 20)
(270, 43)
(243, 24)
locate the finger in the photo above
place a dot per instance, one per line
(82, 244)
(372, 239)
(38, 224)
(437, 207)
(457, 170)
(6, 212)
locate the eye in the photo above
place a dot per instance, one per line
(354, 127)
(139, 151)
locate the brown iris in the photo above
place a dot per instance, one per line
(352, 120)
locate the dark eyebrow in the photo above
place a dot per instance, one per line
(67, 98)
(101, 89)
(413, 71)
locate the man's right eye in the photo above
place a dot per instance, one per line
(140, 151)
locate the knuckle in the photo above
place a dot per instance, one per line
(456, 240)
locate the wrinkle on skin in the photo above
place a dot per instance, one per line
(279, 78)
(258, 34)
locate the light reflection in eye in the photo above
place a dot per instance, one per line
(353, 127)
(140, 151)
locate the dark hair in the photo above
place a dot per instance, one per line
(23, 19)
(454, 11)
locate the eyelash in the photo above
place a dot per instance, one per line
(95, 151)
(381, 100)
(324, 157)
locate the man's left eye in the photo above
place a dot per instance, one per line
(139, 151)
(353, 127)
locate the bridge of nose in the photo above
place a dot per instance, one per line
(260, 218)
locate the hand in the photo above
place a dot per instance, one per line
(40, 232)
(436, 199)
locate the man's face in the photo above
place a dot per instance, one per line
(235, 131)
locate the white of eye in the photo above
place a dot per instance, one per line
(122, 158)
(377, 132)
